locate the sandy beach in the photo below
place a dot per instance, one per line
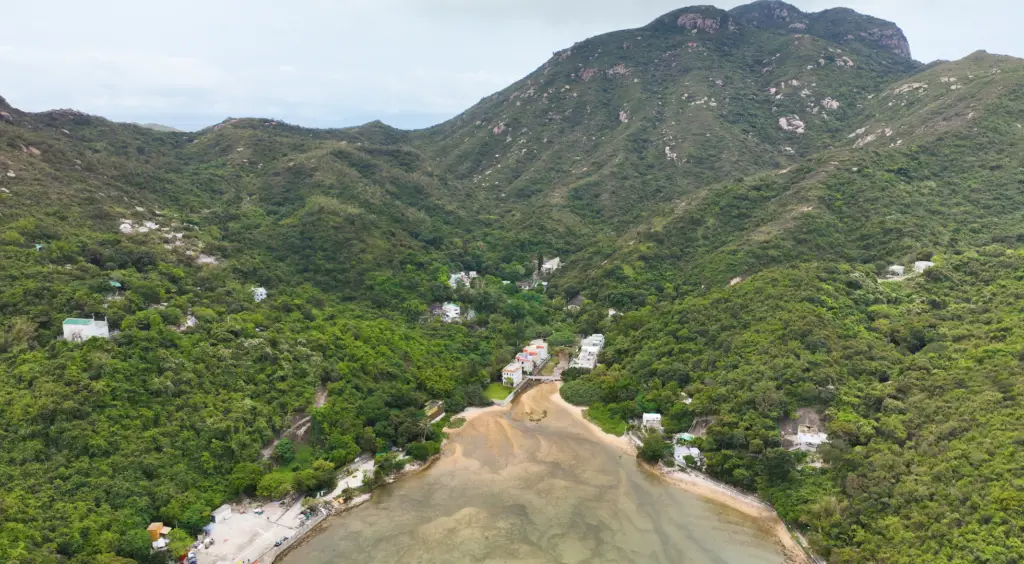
(703, 486)
(708, 488)
(621, 443)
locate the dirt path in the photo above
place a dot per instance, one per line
(297, 430)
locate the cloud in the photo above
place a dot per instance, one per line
(194, 62)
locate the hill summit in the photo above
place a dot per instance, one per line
(774, 217)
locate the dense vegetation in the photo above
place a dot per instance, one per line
(653, 161)
(920, 382)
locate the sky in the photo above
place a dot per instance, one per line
(323, 63)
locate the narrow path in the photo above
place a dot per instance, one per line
(269, 449)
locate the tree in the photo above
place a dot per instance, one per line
(245, 477)
(195, 517)
(343, 450)
(134, 544)
(274, 485)
(179, 543)
(422, 451)
(284, 451)
(654, 448)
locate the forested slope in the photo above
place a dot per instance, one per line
(793, 155)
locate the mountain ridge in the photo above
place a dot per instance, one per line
(734, 187)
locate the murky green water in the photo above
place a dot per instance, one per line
(511, 490)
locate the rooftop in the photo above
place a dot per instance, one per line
(74, 321)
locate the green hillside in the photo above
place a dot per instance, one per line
(736, 183)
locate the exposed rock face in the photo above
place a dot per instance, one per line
(893, 39)
(793, 124)
(6, 117)
(698, 22)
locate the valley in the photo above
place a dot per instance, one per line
(727, 193)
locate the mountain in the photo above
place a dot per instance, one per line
(621, 123)
(736, 184)
(158, 127)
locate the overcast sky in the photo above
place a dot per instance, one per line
(322, 63)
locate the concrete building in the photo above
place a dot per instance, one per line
(922, 265)
(512, 375)
(897, 270)
(526, 362)
(450, 312)
(221, 514)
(652, 421)
(681, 452)
(590, 348)
(808, 438)
(463, 278)
(259, 294)
(541, 346)
(77, 330)
(550, 266)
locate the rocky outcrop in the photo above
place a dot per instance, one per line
(792, 124)
(892, 39)
(6, 117)
(698, 22)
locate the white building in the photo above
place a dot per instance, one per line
(652, 421)
(922, 265)
(542, 348)
(221, 514)
(461, 278)
(512, 375)
(259, 294)
(897, 270)
(589, 349)
(84, 329)
(681, 452)
(551, 265)
(526, 362)
(450, 312)
(808, 438)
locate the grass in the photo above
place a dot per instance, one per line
(497, 392)
(549, 367)
(608, 423)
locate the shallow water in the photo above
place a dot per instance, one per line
(508, 489)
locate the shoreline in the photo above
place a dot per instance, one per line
(749, 504)
(704, 487)
(700, 485)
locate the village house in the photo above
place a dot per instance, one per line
(76, 330)
(541, 346)
(526, 362)
(512, 375)
(897, 270)
(464, 278)
(682, 451)
(922, 265)
(435, 310)
(450, 312)
(551, 266)
(590, 348)
(652, 421)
